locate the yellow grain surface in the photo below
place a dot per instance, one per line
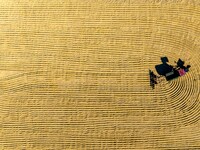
(74, 74)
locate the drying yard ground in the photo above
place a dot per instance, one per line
(74, 74)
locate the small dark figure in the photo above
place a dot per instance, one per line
(180, 63)
(153, 79)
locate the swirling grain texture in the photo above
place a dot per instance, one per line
(74, 74)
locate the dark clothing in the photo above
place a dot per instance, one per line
(173, 76)
(162, 69)
(180, 63)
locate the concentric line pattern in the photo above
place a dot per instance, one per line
(74, 75)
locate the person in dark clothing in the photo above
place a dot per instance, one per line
(180, 64)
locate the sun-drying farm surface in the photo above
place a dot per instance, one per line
(74, 74)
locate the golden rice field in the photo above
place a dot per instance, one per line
(74, 75)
